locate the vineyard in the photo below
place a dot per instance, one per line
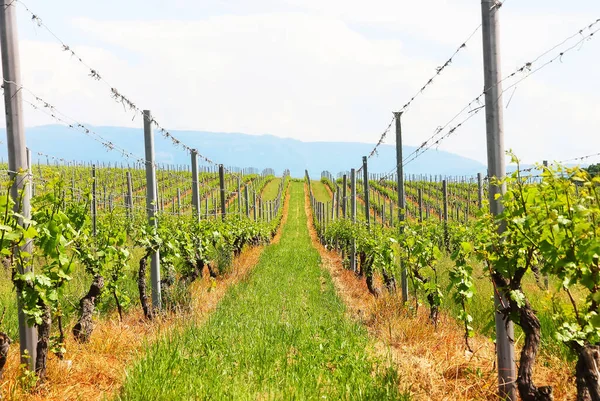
(139, 279)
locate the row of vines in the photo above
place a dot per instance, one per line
(77, 275)
(549, 231)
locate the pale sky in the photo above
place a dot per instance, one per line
(316, 70)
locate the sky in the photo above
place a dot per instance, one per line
(317, 70)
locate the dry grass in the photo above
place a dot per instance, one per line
(433, 363)
(96, 370)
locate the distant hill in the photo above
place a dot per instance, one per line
(241, 150)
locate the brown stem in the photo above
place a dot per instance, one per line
(119, 308)
(142, 287)
(43, 343)
(4, 347)
(588, 374)
(376, 292)
(389, 280)
(61, 337)
(531, 328)
(84, 327)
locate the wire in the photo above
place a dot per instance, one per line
(428, 83)
(116, 94)
(525, 67)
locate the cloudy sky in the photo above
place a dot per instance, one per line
(317, 70)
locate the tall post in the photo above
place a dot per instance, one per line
(222, 190)
(401, 196)
(129, 196)
(344, 194)
(479, 191)
(353, 216)
(239, 195)
(445, 213)
(337, 204)
(195, 191)
(333, 205)
(246, 200)
(179, 203)
(151, 205)
(546, 278)
(497, 169)
(254, 204)
(94, 200)
(17, 156)
(420, 192)
(366, 191)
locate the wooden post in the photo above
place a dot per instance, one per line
(179, 203)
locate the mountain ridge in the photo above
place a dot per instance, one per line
(240, 150)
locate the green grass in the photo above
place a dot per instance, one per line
(280, 334)
(320, 191)
(271, 189)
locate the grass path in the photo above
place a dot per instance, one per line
(271, 189)
(320, 191)
(281, 334)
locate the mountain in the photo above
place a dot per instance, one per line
(240, 150)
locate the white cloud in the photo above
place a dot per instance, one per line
(310, 73)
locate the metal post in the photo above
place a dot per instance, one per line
(254, 204)
(129, 200)
(337, 204)
(353, 216)
(401, 196)
(366, 191)
(20, 172)
(445, 213)
(420, 192)
(333, 205)
(94, 200)
(479, 191)
(344, 194)
(222, 190)
(239, 195)
(497, 169)
(195, 191)
(246, 200)
(546, 278)
(151, 205)
(179, 203)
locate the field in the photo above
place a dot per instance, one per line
(269, 307)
